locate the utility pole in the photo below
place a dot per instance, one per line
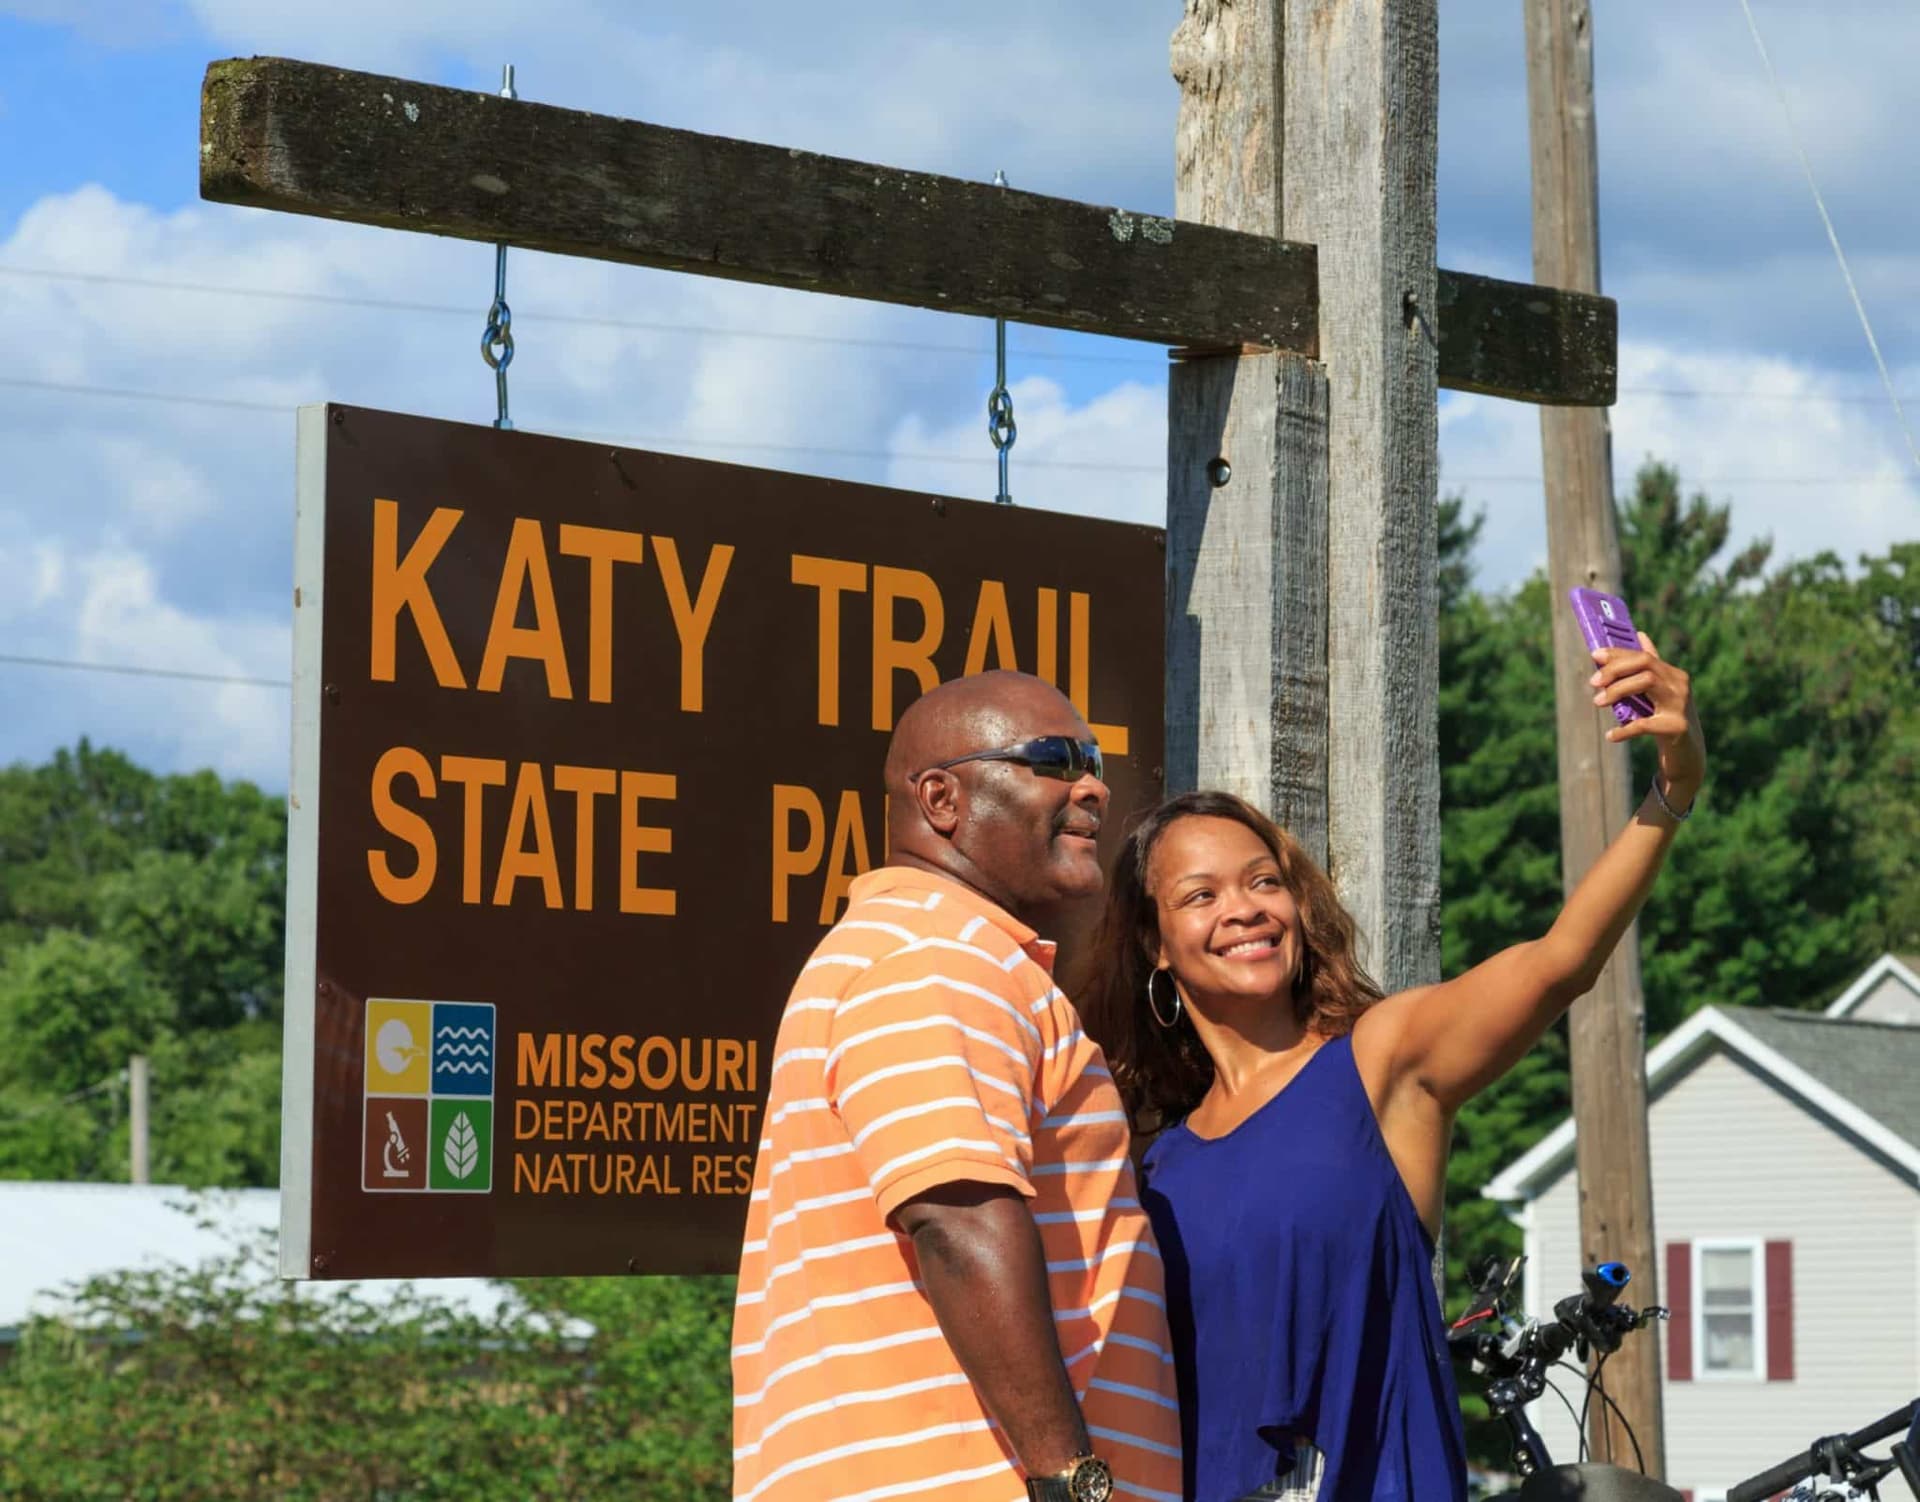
(137, 1119)
(1607, 1027)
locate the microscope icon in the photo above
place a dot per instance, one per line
(394, 1154)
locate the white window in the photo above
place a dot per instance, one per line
(1730, 1328)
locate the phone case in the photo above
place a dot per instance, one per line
(1604, 622)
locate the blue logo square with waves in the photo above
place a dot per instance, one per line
(462, 1048)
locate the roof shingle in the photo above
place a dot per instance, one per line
(1876, 1065)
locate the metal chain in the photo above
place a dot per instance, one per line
(1000, 426)
(496, 343)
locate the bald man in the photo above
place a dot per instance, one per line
(948, 1288)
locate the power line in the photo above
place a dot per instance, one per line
(112, 1081)
(723, 444)
(1686, 393)
(720, 331)
(1833, 239)
(133, 671)
(1691, 480)
(182, 398)
(581, 320)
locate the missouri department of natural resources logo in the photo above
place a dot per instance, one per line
(429, 1097)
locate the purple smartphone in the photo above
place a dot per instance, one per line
(1604, 622)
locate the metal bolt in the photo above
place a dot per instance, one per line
(338, 417)
(939, 507)
(1159, 774)
(319, 1262)
(1218, 472)
(332, 692)
(633, 1264)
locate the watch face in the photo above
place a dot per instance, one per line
(1091, 1481)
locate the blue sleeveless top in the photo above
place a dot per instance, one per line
(1301, 1302)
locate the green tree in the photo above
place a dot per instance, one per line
(138, 914)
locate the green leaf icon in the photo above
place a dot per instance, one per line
(462, 1147)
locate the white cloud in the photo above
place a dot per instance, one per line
(106, 607)
(35, 571)
(1105, 457)
(1800, 456)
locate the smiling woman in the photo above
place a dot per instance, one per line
(1303, 1120)
(1310, 938)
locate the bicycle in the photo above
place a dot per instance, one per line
(1842, 1457)
(1515, 1357)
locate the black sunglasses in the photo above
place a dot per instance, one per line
(1056, 756)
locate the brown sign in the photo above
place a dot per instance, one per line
(587, 752)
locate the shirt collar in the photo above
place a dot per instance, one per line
(886, 879)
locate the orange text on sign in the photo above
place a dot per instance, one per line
(510, 834)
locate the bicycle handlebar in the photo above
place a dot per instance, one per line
(1779, 1477)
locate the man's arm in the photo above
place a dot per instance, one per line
(985, 1274)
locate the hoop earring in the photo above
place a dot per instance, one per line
(1153, 1004)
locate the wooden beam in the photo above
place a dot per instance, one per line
(1607, 1028)
(1246, 545)
(1527, 343)
(1359, 123)
(305, 139)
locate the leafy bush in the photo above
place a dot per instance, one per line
(220, 1383)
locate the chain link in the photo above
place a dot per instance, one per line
(496, 341)
(1000, 424)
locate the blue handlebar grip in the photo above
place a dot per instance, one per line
(1614, 1274)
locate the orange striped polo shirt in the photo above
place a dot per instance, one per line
(924, 1044)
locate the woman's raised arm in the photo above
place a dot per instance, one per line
(1456, 1038)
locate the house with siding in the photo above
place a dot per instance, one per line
(1786, 1198)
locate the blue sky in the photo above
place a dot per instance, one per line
(146, 531)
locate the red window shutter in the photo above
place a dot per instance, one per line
(1679, 1293)
(1779, 1311)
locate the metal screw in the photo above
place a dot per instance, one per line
(319, 1262)
(633, 1264)
(1159, 774)
(338, 417)
(332, 692)
(1218, 472)
(939, 507)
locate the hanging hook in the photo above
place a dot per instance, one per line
(496, 343)
(1000, 426)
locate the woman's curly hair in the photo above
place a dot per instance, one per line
(1163, 1072)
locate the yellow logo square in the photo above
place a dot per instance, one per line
(398, 1037)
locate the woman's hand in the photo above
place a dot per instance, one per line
(1683, 749)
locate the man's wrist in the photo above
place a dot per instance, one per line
(1085, 1478)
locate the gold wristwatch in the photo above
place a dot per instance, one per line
(1086, 1479)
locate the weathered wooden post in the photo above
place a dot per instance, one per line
(1247, 470)
(1608, 1027)
(1303, 648)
